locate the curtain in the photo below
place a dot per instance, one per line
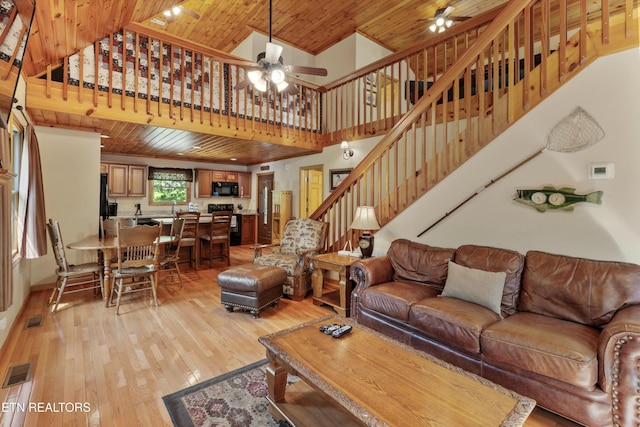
(32, 233)
(170, 174)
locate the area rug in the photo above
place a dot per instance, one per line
(237, 398)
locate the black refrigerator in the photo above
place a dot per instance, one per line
(104, 198)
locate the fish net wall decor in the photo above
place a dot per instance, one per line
(576, 131)
(573, 133)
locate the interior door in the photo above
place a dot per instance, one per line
(310, 190)
(265, 185)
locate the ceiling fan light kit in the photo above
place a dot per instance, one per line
(269, 72)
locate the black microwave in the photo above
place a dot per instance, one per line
(224, 188)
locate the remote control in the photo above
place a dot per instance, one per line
(341, 331)
(323, 328)
(331, 328)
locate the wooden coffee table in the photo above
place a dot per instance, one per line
(366, 378)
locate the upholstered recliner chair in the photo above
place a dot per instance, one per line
(301, 239)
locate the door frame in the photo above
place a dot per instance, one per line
(268, 208)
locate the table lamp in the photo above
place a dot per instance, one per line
(365, 219)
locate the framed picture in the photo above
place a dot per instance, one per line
(370, 79)
(370, 97)
(336, 176)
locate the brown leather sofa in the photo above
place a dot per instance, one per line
(567, 333)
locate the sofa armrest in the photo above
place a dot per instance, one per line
(618, 353)
(371, 271)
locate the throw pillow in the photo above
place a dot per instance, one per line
(477, 286)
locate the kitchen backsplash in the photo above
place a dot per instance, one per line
(126, 205)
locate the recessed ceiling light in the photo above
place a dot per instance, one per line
(157, 22)
(101, 146)
(180, 154)
(105, 136)
(197, 147)
(233, 159)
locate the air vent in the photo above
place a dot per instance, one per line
(17, 374)
(34, 322)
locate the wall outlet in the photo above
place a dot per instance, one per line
(3, 323)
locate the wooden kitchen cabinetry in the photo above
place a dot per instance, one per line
(280, 213)
(206, 176)
(244, 184)
(127, 180)
(249, 229)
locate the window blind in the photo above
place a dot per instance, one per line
(170, 174)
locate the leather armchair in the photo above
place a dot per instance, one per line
(301, 239)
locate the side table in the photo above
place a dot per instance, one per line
(339, 299)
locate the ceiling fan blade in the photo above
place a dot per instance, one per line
(458, 18)
(242, 63)
(446, 11)
(169, 18)
(291, 89)
(273, 52)
(243, 84)
(191, 13)
(306, 70)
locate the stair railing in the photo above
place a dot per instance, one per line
(524, 54)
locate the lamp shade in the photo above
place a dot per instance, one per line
(365, 219)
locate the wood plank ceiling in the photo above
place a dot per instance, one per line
(61, 28)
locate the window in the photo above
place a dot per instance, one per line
(169, 185)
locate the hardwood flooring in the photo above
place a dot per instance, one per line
(117, 368)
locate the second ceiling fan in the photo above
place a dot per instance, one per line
(270, 72)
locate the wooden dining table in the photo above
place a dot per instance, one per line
(107, 246)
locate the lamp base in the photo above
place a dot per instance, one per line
(366, 245)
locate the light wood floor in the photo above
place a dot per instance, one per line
(119, 367)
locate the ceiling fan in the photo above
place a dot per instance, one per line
(442, 19)
(269, 70)
(171, 14)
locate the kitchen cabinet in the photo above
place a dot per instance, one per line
(249, 229)
(204, 178)
(127, 180)
(244, 184)
(280, 213)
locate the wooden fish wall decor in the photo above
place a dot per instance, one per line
(556, 198)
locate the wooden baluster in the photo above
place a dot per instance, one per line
(562, 52)
(605, 22)
(150, 69)
(65, 78)
(544, 45)
(528, 54)
(96, 71)
(123, 72)
(160, 77)
(80, 75)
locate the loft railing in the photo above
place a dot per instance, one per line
(144, 75)
(528, 50)
(372, 100)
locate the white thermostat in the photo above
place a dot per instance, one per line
(601, 170)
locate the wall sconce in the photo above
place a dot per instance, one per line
(365, 219)
(347, 152)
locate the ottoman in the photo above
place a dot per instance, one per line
(251, 287)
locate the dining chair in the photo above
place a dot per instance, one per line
(169, 259)
(190, 235)
(137, 271)
(109, 226)
(219, 234)
(71, 278)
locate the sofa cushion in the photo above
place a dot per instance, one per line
(417, 262)
(497, 260)
(577, 289)
(555, 348)
(452, 321)
(395, 298)
(477, 286)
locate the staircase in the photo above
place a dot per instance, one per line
(475, 84)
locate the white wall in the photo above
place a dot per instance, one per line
(70, 173)
(609, 90)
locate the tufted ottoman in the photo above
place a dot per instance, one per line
(251, 287)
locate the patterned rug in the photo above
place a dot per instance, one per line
(237, 398)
